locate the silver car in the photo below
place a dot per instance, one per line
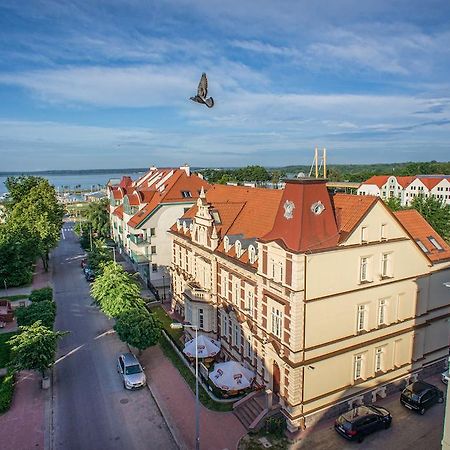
(132, 372)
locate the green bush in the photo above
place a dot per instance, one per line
(43, 294)
(43, 310)
(5, 349)
(276, 426)
(6, 391)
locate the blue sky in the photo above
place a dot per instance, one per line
(105, 84)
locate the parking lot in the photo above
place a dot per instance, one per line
(409, 430)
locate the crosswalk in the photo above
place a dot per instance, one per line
(66, 229)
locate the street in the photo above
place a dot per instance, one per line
(91, 408)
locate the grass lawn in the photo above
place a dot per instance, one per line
(12, 298)
(166, 320)
(4, 348)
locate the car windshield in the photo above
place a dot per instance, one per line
(409, 394)
(130, 370)
(344, 423)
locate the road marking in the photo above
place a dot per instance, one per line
(71, 351)
(63, 236)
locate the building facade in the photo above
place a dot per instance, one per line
(142, 212)
(407, 188)
(330, 300)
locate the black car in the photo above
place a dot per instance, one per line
(354, 425)
(420, 396)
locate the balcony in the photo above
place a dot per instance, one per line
(139, 258)
(196, 293)
(138, 239)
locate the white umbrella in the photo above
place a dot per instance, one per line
(231, 376)
(206, 347)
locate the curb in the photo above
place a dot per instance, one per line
(169, 425)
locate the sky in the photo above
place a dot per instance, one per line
(106, 83)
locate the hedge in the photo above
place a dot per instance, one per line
(6, 391)
(43, 310)
(40, 295)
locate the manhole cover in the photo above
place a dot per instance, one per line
(124, 401)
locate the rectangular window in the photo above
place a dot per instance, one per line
(200, 318)
(236, 290)
(364, 269)
(382, 310)
(385, 265)
(186, 194)
(361, 318)
(248, 346)
(154, 267)
(236, 336)
(224, 286)
(153, 249)
(358, 367)
(224, 325)
(379, 359)
(383, 231)
(277, 322)
(230, 329)
(363, 234)
(422, 246)
(152, 232)
(435, 243)
(250, 302)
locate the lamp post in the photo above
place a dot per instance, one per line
(113, 249)
(178, 326)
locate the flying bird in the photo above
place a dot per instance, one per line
(202, 93)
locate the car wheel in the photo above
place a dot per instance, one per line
(422, 411)
(124, 385)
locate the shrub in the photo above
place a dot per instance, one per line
(43, 294)
(6, 391)
(276, 426)
(43, 310)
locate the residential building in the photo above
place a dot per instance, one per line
(331, 300)
(141, 213)
(407, 188)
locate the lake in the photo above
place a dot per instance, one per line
(91, 180)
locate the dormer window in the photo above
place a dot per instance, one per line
(252, 254)
(226, 243)
(186, 194)
(422, 246)
(215, 215)
(238, 248)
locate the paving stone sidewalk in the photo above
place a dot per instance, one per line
(218, 430)
(22, 427)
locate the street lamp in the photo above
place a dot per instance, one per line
(178, 326)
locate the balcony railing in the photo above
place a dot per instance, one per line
(138, 240)
(196, 292)
(139, 258)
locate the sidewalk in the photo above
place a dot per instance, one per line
(22, 427)
(218, 430)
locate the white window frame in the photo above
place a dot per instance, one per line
(435, 243)
(382, 311)
(379, 359)
(224, 286)
(364, 266)
(386, 265)
(248, 347)
(250, 302)
(383, 231)
(364, 235)
(358, 367)
(361, 318)
(277, 322)
(236, 335)
(236, 290)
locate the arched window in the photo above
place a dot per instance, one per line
(251, 254)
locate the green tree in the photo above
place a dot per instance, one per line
(34, 348)
(98, 256)
(39, 295)
(97, 215)
(139, 328)
(436, 213)
(115, 291)
(393, 203)
(19, 187)
(39, 212)
(45, 311)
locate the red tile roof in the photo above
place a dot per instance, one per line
(349, 210)
(405, 181)
(133, 199)
(420, 230)
(430, 183)
(125, 182)
(379, 180)
(119, 212)
(117, 193)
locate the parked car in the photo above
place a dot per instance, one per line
(356, 424)
(419, 396)
(445, 376)
(132, 372)
(89, 274)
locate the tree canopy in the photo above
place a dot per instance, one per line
(34, 348)
(139, 328)
(116, 291)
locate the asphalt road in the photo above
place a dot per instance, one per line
(91, 409)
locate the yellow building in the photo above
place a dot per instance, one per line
(331, 300)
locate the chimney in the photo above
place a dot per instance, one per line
(305, 218)
(187, 169)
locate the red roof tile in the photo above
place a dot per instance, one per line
(404, 182)
(379, 180)
(125, 182)
(430, 183)
(350, 209)
(119, 212)
(420, 230)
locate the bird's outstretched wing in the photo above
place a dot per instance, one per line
(202, 90)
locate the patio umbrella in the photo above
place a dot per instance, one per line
(206, 347)
(231, 376)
